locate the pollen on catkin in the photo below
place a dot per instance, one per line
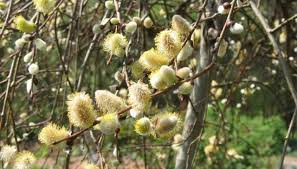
(24, 25)
(108, 123)
(44, 6)
(169, 43)
(52, 133)
(24, 160)
(89, 165)
(153, 60)
(140, 96)
(180, 25)
(81, 112)
(7, 153)
(107, 102)
(166, 125)
(143, 126)
(115, 44)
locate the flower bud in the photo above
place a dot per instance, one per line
(33, 68)
(143, 126)
(148, 23)
(109, 5)
(177, 141)
(222, 48)
(168, 75)
(184, 72)
(156, 81)
(236, 28)
(109, 123)
(131, 27)
(137, 20)
(28, 57)
(19, 43)
(180, 24)
(40, 44)
(26, 37)
(185, 89)
(224, 9)
(119, 76)
(166, 124)
(96, 28)
(195, 38)
(24, 25)
(114, 21)
(185, 53)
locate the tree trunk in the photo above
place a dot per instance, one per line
(194, 119)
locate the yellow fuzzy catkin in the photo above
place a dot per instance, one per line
(24, 25)
(143, 126)
(180, 24)
(140, 96)
(168, 75)
(166, 125)
(108, 123)
(52, 133)
(81, 112)
(44, 6)
(153, 60)
(115, 44)
(24, 160)
(90, 165)
(157, 81)
(169, 43)
(7, 153)
(107, 102)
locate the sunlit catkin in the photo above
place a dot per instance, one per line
(24, 25)
(143, 126)
(115, 44)
(108, 123)
(180, 25)
(184, 72)
(24, 160)
(81, 112)
(107, 102)
(169, 43)
(44, 6)
(185, 89)
(52, 133)
(153, 60)
(139, 96)
(168, 75)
